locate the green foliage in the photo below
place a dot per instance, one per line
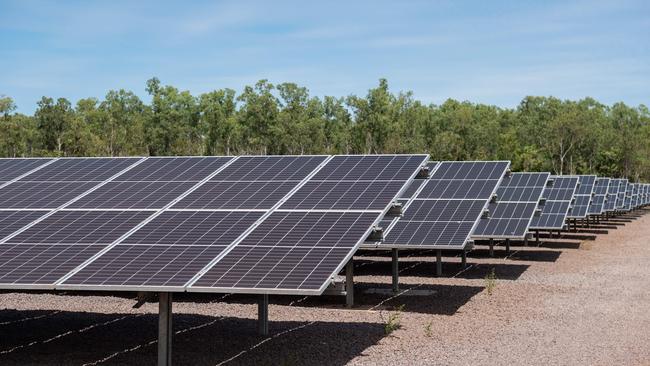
(540, 134)
(393, 322)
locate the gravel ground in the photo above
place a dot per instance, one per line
(567, 302)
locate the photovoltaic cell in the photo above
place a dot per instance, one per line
(558, 203)
(13, 168)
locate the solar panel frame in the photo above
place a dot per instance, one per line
(435, 227)
(568, 185)
(612, 195)
(519, 206)
(597, 204)
(582, 197)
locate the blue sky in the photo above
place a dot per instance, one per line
(484, 51)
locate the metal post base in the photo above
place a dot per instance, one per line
(165, 329)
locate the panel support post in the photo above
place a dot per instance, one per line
(165, 331)
(507, 246)
(263, 315)
(491, 247)
(395, 270)
(526, 241)
(463, 259)
(537, 237)
(439, 263)
(349, 284)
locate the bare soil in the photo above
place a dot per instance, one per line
(569, 301)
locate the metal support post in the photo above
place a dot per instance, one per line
(395, 270)
(349, 284)
(263, 315)
(537, 237)
(526, 241)
(507, 246)
(491, 247)
(463, 259)
(439, 263)
(165, 331)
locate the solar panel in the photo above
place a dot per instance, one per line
(582, 197)
(517, 200)
(174, 169)
(628, 196)
(237, 195)
(597, 205)
(11, 221)
(558, 198)
(446, 207)
(80, 170)
(612, 195)
(11, 169)
(133, 195)
(34, 195)
(622, 193)
(270, 168)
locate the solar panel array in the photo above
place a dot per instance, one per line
(557, 205)
(582, 197)
(442, 211)
(165, 223)
(599, 199)
(517, 199)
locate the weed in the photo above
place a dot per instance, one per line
(427, 329)
(490, 282)
(393, 321)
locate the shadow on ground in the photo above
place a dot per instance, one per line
(132, 338)
(536, 255)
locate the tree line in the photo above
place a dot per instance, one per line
(540, 134)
